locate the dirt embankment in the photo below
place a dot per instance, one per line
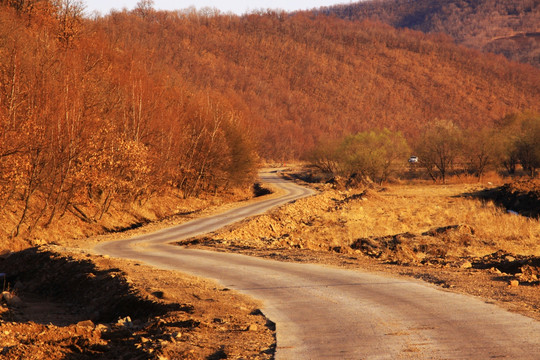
(520, 196)
(80, 223)
(59, 306)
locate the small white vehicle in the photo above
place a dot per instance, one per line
(413, 159)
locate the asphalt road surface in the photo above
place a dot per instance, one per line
(328, 313)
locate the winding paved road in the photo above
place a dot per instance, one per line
(328, 313)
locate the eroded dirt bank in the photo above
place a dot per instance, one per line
(520, 196)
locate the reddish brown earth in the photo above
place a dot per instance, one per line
(77, 306)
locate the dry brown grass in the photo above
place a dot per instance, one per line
(330, 220)
(70, 230)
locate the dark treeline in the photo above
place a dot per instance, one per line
(121, 107)
(508, 27)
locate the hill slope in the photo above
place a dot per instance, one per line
(511, 28)
(302, 78)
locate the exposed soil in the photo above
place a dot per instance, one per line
(77, 306)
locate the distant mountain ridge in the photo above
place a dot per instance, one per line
(508, 27)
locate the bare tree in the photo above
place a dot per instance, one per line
(440, 146)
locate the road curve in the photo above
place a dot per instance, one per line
(327, 313)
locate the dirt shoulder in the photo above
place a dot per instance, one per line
(72, 305)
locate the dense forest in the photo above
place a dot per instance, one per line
(123, 106)
(508, 27)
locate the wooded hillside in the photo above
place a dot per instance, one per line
(508, 27)
(121, 107)
(301, 78)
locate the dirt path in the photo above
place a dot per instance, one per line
(322, 312)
